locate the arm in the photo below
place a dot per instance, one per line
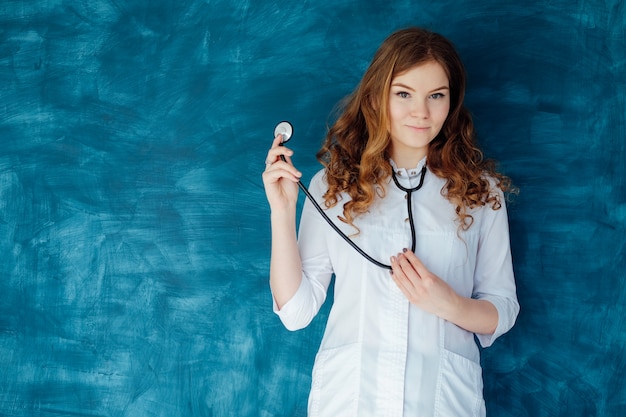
(300, 270)
(280, 180)
(285, 263)
(494, 280)
(493, 307)
(432, 294)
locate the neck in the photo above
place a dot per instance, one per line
(408, 160)
(406, 163)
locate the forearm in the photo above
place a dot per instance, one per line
(285, 262)
(476, 316)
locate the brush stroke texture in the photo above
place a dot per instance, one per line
(134, 228)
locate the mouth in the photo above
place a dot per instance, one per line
(418, 128)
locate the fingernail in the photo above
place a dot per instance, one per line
(404, 250)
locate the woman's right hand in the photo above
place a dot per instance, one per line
(280, 178)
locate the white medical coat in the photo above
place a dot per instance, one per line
(380, 355)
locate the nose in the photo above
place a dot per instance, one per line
(419, 109)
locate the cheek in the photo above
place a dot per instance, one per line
(396, 112)
(443, 113)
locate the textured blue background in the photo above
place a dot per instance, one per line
(134, 228)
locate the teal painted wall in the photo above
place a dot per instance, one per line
(134, 229)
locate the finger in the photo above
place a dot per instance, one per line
(399, 276)
(279, 159)
(417, 264)
(277, 151)
(409, 271)
(278, 170)
(403, 288)
(404, 285)
(278, 139)
(285, 164)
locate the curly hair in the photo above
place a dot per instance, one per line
(357, 147)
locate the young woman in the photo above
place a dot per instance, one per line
(404, 178)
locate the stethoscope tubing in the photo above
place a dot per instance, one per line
(409, 191)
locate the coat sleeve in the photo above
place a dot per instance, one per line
(317, 269)
(493, 277)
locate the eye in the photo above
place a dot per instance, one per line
(437, 96)
(403, 94)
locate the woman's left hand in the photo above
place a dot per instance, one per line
(423, 288)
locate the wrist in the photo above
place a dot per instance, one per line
(454, 308)
(283, 212)
(283, 216)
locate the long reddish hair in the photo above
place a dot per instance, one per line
(357, 147)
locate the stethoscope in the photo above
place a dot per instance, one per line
(285, 129)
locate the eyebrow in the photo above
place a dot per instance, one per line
(443, 87)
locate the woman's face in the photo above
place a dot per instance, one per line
(419, 103)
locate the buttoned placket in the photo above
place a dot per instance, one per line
(392, 364)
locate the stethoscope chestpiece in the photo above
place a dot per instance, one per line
(284, 128)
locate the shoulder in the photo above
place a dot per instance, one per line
(319, 178)
(492, 184)
(318, 185)
(494, 190)
(494, 200)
